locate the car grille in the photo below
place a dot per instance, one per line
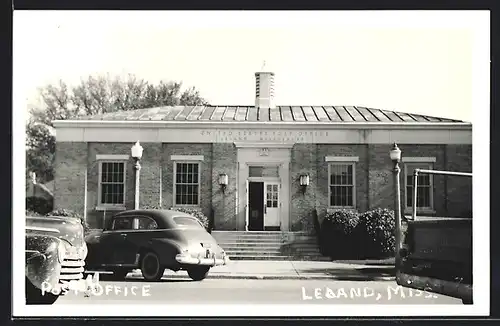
(72, 269)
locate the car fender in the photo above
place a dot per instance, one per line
(166, 249)
(42, 261)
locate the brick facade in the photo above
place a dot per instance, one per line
(224, 204)
(373, 177)
(69, 166)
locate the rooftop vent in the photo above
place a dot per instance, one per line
(264, 89)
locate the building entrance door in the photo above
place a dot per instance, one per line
(271, 206)
(256, 206)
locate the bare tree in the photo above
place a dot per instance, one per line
(93, 95)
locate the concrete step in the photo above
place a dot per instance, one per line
(255, 251)
(251, 244)
(279, 257)
(259, 257)
(301, 244)
(250, 232)
(311, 258)
(267, 242)
(269, 245)
(250, 238)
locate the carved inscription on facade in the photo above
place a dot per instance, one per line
(290, 136)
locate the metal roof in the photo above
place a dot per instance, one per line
(279, 114)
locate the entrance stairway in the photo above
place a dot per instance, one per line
(269, 245)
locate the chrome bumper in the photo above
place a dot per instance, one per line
(189, 260)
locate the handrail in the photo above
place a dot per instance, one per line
(416, 172)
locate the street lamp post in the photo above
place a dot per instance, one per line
(395, 155)
(136, 152)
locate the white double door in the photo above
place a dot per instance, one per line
(271, 204)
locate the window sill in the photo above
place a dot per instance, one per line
(409, 211)
(335, 209)
(186, 206)
(110, 208)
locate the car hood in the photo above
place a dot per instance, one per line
(65, 228)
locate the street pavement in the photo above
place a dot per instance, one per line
(265, 282)
(233, 291)
(293, 270)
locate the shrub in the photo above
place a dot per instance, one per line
(70, 213)
(33, 213)
(196, 213)
(150, 207)
(338, 237)
(377, 227)
(39, 205)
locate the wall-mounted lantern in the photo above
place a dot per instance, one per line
(304, 182)
(223, 181)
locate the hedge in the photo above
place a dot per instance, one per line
(70, 213)
(378, 226)
(346, 234)
(338, 233)
(39, 205)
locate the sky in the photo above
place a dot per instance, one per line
(416, 62)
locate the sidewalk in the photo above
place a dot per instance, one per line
(293, 270)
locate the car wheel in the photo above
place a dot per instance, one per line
(198, 273)
(34, 295)
(150, 267)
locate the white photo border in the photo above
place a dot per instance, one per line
(478, 22)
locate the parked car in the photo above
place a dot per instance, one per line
(152, 241)
(55, 256)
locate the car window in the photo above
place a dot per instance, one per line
(145, 223)
(122, 223)
(186, 221)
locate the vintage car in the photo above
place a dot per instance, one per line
(152, 241)
(55, 256)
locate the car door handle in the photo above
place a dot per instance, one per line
(123, 234)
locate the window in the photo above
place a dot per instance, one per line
(424, 186)
(187, 183)
(185, 221)
(122, 223)
(341, 184)
(145, 223)
(272, 192)
(112, 183)
(263, 171)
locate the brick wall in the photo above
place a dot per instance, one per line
(374, 183)
(151, 165)
(303, 160)
(380, 177)
(224, 205)
(69, 179)
(459, 200)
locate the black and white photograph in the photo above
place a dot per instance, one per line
(251, 163)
